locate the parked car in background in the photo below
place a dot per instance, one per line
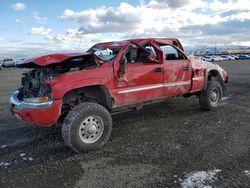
(243, 56)
(227, 57)
(9, 63)
(231, 57)
(235, 56)
(207, 58)
(217, 58)
(198, 57)
(212, 58)
(1, 64)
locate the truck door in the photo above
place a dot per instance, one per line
(177, 71)
(142, 79)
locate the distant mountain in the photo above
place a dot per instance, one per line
(188, 49)
(217, 49)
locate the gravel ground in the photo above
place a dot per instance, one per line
(168, 144)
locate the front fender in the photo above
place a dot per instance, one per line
(219, 77)
(61, 88)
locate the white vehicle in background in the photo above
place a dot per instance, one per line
(1, 64)
(235, 56)
(217, 58)
(231, 57)
(212, 58)
(196, 57)
(207, 58)
(227, 57)
(9, 63)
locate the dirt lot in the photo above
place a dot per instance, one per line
(169, 144)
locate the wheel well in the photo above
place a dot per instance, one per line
(214, 74)
(97, 93)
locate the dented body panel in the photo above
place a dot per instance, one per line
(125, 79)
(48, 59)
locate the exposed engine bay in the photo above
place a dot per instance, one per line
(33, 85)
(33, 81)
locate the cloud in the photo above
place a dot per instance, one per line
(39, 19)
(188, 20)
(176, 3)
(73, 34)
(69, 35)
(223, 28)
(12, 47)
(40, 31)
(73, 39)
(18, 6)
(105, 19)
(194, 22)
(159, 4)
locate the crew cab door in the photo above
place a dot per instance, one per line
(142, 79)
(177, 71)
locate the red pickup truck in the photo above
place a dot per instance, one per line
(80, 91)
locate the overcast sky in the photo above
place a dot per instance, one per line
(40, 26)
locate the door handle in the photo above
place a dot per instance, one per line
(159, 69)
(186, 68)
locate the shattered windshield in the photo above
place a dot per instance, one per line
(105, 53)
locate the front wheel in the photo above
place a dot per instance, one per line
(211, 97)
(87, 127)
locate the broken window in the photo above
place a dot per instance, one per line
(171, 53)
(141, 55)
(105, 53)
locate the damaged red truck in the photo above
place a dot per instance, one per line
(80, 91)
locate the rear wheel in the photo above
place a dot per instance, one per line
(210, 98)
(87, 127)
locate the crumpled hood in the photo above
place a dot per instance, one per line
(46, 60)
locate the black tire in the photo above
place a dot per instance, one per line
(85, 119)
(211, 97)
